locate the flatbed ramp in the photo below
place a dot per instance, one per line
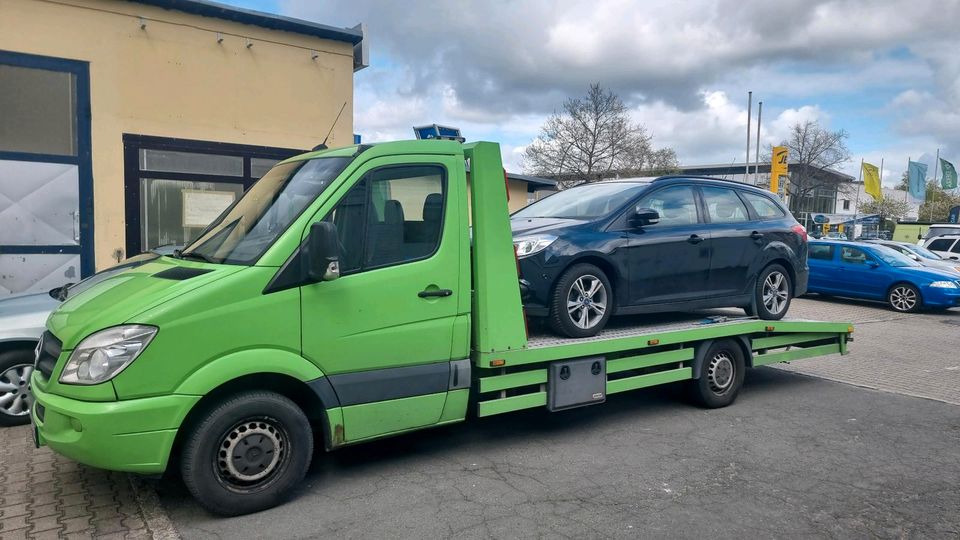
(646, 351)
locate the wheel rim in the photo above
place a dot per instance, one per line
(251, 454)
(775, 293)
(721, 373)
(587, 301)
(15, 396)
(903, 298)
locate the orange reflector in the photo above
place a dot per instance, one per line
(497, 363)
(769, 329)
(850, 329)
(653, 342)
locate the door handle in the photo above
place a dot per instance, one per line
(756, 235)
(435, 293)
(695, 239)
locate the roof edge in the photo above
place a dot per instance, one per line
(207, 8)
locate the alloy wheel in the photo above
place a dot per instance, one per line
(903, 298)
(775, 293)
(15, 396)
(587, 301)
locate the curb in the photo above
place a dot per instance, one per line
(153, 513)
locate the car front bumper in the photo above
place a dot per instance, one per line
(935, 297)
(132, 435)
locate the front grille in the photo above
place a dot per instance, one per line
(47, 353)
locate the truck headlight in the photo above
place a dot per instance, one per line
(528, 245)
(104, 354)
(943, 285)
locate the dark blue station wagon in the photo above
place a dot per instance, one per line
(653, 245)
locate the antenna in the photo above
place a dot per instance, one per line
(323, 145)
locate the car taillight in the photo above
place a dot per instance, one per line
(800, 230)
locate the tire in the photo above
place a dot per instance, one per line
(575, 314)
(721, 375)
(16, 366)
(905, 298)
(259, 478)
(772, 293)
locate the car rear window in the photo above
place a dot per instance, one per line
(763, 206)
(821, 251)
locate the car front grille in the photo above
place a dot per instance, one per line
(47, 353)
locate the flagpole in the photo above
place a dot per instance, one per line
(881, 195)
(856, 205)
(746, 175)
(906, 191)
(936, 163)
(756, 168)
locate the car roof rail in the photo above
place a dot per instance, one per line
(700, 177)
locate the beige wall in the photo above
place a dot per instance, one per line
(173, 79)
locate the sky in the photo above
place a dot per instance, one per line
(886, 71)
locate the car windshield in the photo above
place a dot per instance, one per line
(924, 252)
(245, 230)
(587, 201)
(894, 258)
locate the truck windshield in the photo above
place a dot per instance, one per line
(245, 230)
(587, 201)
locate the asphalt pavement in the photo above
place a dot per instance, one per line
(794, 456)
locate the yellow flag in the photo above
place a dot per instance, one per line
(871, 181)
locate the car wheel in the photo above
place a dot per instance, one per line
(772, 293)
(582, 302)
(904, 298)
(721, 375)
(16, 367)
(247, 453)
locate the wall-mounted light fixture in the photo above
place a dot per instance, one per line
(249, 43)
(314, 55)
(143, 23)
(219, 37)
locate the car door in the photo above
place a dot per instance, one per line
(383, 330)
(736, 241)
(825, 272)
(669, 261)
(863, 275)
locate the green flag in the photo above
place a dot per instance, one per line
(949, 180)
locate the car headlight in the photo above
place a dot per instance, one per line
(104, 354)
(528, 245)
(943, 285)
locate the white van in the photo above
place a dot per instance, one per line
(946, 246)
(939, 229)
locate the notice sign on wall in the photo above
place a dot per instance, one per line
(202, 207)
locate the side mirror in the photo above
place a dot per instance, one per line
(323, 252)
(644, 216)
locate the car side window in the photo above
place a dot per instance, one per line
(956, 247)
(675, 204)
(393, 216)
(852, 255)
(723, 205)
(764, 207)
(940, 244)
(821, 251)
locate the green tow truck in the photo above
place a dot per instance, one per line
(346, 297)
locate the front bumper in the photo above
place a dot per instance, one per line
(133, 435)
(934, 297)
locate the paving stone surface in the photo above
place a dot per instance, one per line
(916, 354)
(44, 495)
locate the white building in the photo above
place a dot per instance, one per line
(849, 193)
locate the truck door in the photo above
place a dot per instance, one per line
(383, 331)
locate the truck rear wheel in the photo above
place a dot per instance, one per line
(247, 453)
(721, 375)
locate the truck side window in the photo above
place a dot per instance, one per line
(394, 215)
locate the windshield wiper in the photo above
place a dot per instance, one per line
(193, 255)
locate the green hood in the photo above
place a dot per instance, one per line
(121, 298)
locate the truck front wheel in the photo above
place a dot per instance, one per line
(246, 453)
(721, 375)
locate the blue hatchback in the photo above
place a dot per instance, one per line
(874, 272)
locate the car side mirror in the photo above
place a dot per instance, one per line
(644, 216)
(323, 252)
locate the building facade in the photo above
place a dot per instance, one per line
(131, 124)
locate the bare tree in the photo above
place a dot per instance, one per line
(813, 149)
(593, 137)
(887, 207)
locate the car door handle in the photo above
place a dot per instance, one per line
(695, 239)
(756, 235)
(435, 293)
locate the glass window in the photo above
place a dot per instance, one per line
(260, 166)
(941, 244)
(852, 255)
(821, 251)
(190, 162)
(676, 205)
(955, 248)
(394, 215)
(176, 211)
(763, 206)
(724, 206)
(38, 111)
(586, 201)
(846, 204)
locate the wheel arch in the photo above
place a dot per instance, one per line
(785, 263)
(904, 282)
(600, 262)
(23, 344)
(700, 354)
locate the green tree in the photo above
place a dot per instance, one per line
(887, 207)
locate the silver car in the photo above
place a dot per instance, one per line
(23, 319)
(921, 254)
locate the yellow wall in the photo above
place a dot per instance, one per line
(173, 79)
